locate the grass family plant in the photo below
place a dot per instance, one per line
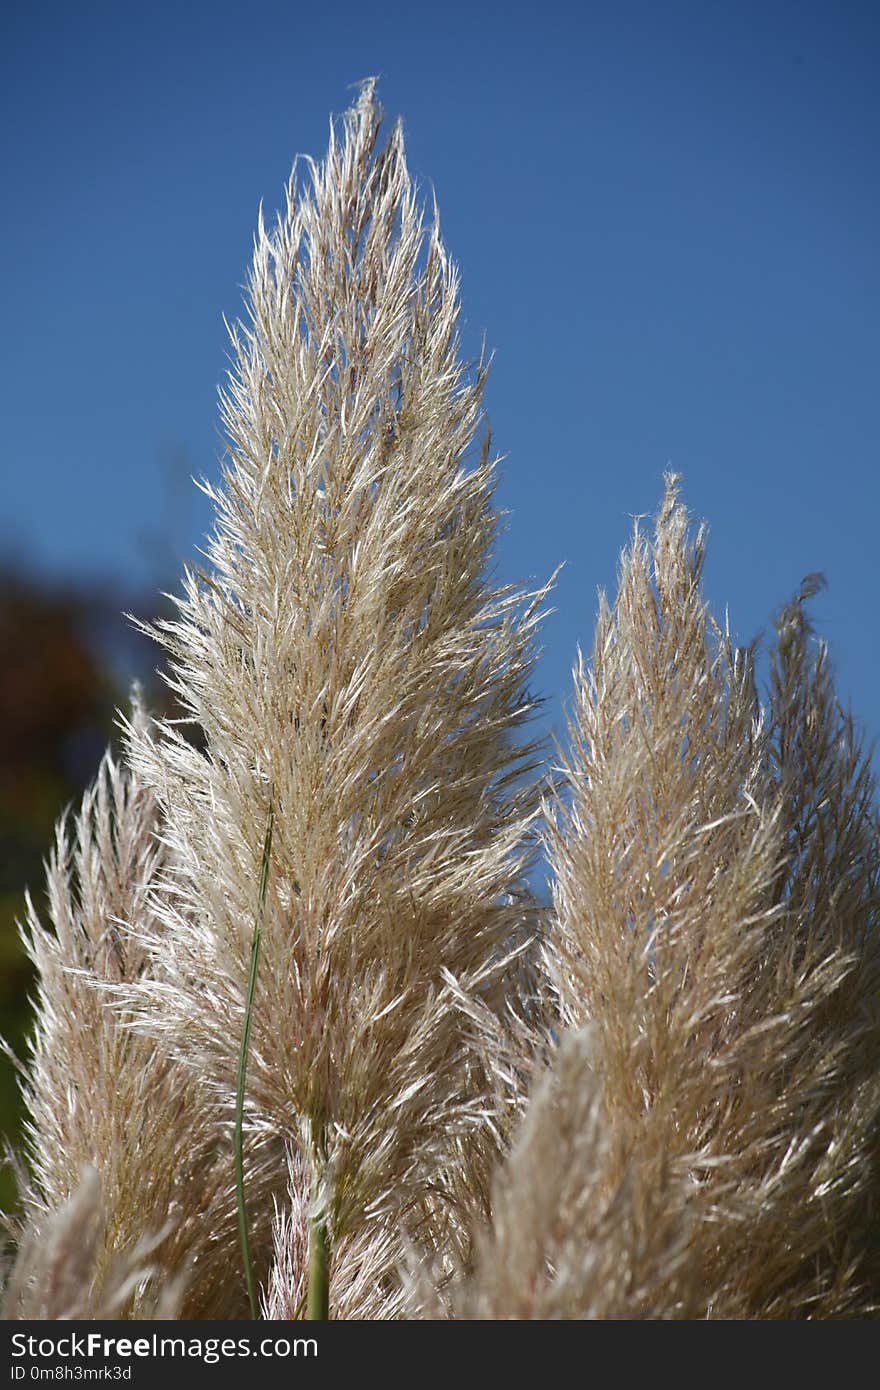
(306, 1044)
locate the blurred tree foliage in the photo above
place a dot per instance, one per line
(68, 658)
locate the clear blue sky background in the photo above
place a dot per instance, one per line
(667, 221)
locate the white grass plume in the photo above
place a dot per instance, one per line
(353, 671)
(100, 1098)
(56, 1274)
(583, 1226)
(715, 923)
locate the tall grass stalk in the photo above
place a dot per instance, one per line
(319, 1268)
(242, 1070)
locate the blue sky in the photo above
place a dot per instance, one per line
(667, 221)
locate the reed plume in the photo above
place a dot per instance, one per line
(55, 1273)
(715, 926)
(358, 680)
(100, 1099)
(583, 1224)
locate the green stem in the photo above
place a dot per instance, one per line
(242, 1070)
(319, 1269)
